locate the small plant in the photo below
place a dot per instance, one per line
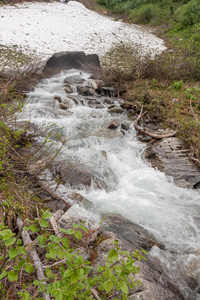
(177, 85)
(67, 274)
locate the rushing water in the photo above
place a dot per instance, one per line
(131, 186)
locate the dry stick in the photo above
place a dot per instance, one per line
(55, 227)
(95, 294)
(145, 132)
(33, 255)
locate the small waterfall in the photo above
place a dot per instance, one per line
(131, 186)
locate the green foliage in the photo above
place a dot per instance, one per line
(176, 14)
(177, 85)
(189, 14)
(68, 275)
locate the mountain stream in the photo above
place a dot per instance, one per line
(131, 187)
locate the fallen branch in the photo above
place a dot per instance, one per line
(33, 255)
(55, 227)
(195, 160)
(95, 294)
(145, 132)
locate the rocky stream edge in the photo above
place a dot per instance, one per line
(168, 155)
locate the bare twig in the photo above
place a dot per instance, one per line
(95, 294)
(33, 255)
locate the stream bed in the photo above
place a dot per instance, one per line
(121, 180)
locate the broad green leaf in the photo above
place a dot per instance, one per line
(13, 253)
(33, 228)
(78, 235)
(42, 288)
(68, 273)
(74, 277)
(3, 274)
(53, 253)
(12, 276)
(65, 242)
(57, 239)
(6, 232)
(60, 254)
(47, 215)
(83, 228)
(124, 287)
(63, 230)
(44, 223)
(36, 282)
(10, 242)
(75, 225)
(108, 285)
(41, 240)
(70, 231)
(21, 250)
(112, 255)
(29, 268)
(1, 226)
(59, 295)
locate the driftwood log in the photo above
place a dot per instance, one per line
(146, 132)
(33, 255)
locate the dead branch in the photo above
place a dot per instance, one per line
(145, 132)
(95, 294)
(55, 227)
(33, 255)
(195, 160)
(55, 264)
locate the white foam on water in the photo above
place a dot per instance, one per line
(132, 187)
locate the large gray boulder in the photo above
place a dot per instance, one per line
(156, 285)
(172, 157)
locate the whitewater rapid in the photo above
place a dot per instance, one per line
(131, 186)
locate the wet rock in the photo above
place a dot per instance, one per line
(113, 125)
(125, 126)
(109, 100)
(78, 214)
(67, 102)
(131, 232)
(63, 106)
(85, 90)
(171, 156)
(51, 103)
(80, 199)
(73, 79)
(75, 177)
(55, 133)
(155, 283)
(116, 110)
(58, 214)
(58, 98)
(68, 88)
(94, 85)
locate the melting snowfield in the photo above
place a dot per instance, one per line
(45, 28)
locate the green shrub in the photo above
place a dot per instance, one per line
(189, 14)
(68, 275)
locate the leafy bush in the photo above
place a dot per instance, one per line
(189, 14)
(68, 275)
